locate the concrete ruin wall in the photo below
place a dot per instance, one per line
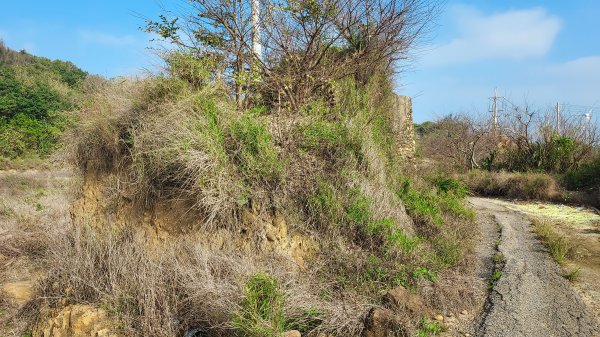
(404, 128)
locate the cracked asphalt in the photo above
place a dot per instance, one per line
(531, 298)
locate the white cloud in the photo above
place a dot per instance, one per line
(514, 34)
(582, 68)
(576, 81)
(106, 39)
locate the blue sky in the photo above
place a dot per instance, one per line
(539, 51)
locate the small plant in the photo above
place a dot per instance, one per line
(559, 248)
(429, 328)
(261, 312)
(498, 258)
(424, 273)
(573, 275)
(308, 321)
(39, 207)
(496, 276)
(6, 211)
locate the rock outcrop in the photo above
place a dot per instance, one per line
(76, 321)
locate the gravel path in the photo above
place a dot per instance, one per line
(531, 298)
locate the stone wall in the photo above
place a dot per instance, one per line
(404, 128)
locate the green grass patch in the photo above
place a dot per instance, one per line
(331, 139)
(557, 245)
(261, 311)
(324, 204)
(422, 272)
(447, 196)
(429, 328)
(253, 150)
(424, 204)
(358, 212)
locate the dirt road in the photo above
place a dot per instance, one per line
(530, 298)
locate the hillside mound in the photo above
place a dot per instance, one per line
(198, 216)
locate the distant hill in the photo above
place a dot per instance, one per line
(34, 93)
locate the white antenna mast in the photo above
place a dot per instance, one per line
(256, 46)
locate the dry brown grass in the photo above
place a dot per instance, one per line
(33, 208)
(538, 186)
(163, 291)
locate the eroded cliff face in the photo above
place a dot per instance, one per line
(259, 228)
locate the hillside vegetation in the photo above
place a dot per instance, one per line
(334, 174)
(35, 93)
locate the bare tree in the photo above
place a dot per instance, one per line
(461, 139)
(305, 43)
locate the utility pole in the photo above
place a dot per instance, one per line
(256, 46)
(558, 118)
(494, 110)
(588, 124)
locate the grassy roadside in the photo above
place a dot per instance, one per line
(558, 246)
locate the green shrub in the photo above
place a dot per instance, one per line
(585, 176)
(22, 135)
(261, 311)
(36, 101)
(451, 185)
